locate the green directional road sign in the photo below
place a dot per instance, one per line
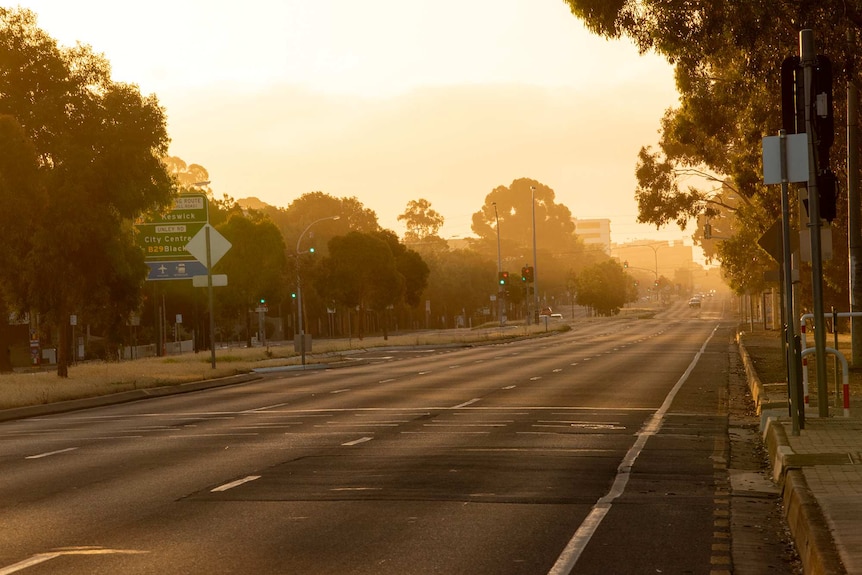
(167, 242)
(163, 238)
(187, 208)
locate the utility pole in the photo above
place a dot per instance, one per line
(854, 210)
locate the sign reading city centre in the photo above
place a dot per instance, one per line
(164, 238)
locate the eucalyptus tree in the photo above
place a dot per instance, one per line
(422, 221)
(256, 266)
(605, 287)
(360, 273)
(98, 148)
(727, 58)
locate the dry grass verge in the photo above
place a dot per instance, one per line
(92, 379)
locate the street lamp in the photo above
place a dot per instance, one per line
(535, 267)
(655, 248)
(500, 304)
(299, 285)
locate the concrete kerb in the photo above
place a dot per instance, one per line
(808, 525)
(803, 514)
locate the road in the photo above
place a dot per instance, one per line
(600, 450)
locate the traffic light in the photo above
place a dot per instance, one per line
(311, 250)
(293, 295)
(793, 102)
(504, 278)
(262, 301)
(528, 274)
(524, 274)
(827, 190)
(626, 264)
(824, 120)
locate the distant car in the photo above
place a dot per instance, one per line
(694, 302)
(547, 312)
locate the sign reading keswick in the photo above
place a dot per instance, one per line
(164, 238)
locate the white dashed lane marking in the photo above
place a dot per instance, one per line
(233, 484)
(50, 453)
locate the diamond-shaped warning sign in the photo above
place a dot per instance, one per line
(198, 245)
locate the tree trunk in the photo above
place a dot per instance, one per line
(6, 340)
(63, 346)
(248, 329)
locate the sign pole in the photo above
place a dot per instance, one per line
(786, 262)
(210, 296)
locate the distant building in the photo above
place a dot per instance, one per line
(594, 232)
(655, 258)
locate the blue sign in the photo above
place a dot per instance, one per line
(170, 270)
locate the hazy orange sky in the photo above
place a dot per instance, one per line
(389, 100)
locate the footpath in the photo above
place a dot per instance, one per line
(820, 474)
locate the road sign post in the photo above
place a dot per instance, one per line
(777, 159)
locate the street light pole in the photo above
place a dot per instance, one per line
(500, 304)
(655, 249)
(299, 285)
(535, 267)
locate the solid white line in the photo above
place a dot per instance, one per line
(456, 424)
(447, 432)
(359, 424)
(386, 380)
(570, 555)
(466, 403)
(357, 441)
(236, 483)
(198, 435)
(50, 453)
(42, 557)
(35, 560)
(340, 390)
(265, 407)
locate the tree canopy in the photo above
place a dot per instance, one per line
(513, 207)
(360, 272)
(422, 221)
(605, 287)
(98, 146)
(255, 265)
(727, 58)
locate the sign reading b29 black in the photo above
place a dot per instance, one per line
(164, 238)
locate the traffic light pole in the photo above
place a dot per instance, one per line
(501, 293)
(807, 57)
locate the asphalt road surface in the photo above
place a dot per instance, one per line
(600, 450)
